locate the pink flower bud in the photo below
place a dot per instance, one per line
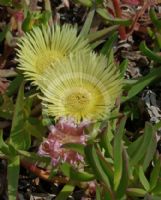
(65, 131)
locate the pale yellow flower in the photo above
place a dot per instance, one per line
(45, 45)
(83, 88)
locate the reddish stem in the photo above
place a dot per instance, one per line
(43, 174)
(140, 13)
(118, 12)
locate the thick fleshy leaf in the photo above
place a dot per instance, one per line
(155, 174)
(19, 137)
(106, 165)
(106, 138)
(157, 189)
(150, 152)
(147, 137)
(155, 198)
(87, 3)
(150, 54)
(7, 149)
(35, 128)
(121, 191)
(99, 34)
(143, 179)
(123, 67)
(65, 192)
(118, 149)
(109, 44)
(5, 2)
(98, 193)
(7, 108)
(134, 146)
(136, 192)
(3, 33)
(142, 83)
(34, 157)
(103, 13)
(154, 18)
(75, 175)
(87, 25)
(3, 146)
(14, 85)
(75, 147)
(13, 176)
(95, 164)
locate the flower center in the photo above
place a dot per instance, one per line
(78, 100)
(44, 60)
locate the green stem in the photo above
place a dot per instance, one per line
(48, 8)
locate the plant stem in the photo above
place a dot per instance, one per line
(48, 8)
(118, 12)
(43, 174)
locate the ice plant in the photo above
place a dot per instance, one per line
(45, 45)
(83, 87)
(65, 131)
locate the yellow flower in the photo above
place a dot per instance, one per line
(45, 45)
(83, 88)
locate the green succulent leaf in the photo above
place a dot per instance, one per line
(3, 33)
(87, 3)
(65, 192)
(7, 108)
(121, 191)
(106, 137)
(157, 189)
(98, 193)
(115, 21)
(109, 44)
(101, 33)
(140, 152)
(123, 67)
(75, 147)
(7, 149)
(35, 128)
(143, 179)
(3, 146)
(150, 54)
(136, 192)
(87, 25)
(5, 2)
(106, 166)
(75, 175)
(95, 164)
(14, 86)
(13, 176)
(150, 152)
(155, 174)
(141, 84)
(118, 149)
(19, 137)
(155, 19)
